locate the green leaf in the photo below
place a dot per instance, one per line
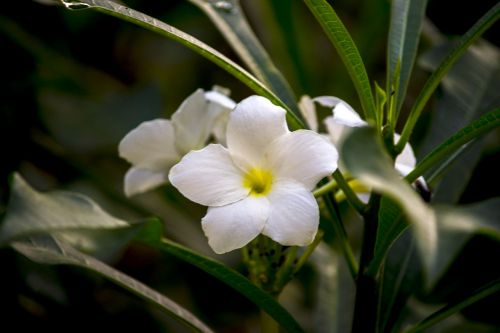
(343, 43)
(152, 236)
(364, 156)
(470, 132)
(457, 224)
(334, 292)
(145, 21)
(450, 309)
(469, 89)
(400, 278)
(432, 83)
(404, 34)
(33, 213)
(391, 225)
(48, 250)
(229, 18)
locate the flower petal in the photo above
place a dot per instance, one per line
(303, 156)
(406, 161)
(141, 180)
(343, 113)
(209, 177)
(193, 122)
(294, 215)
(222, 106)
(150, 145)
(253, 124)
(233, 226)
(308, 111)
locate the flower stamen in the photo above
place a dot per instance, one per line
(259, 181)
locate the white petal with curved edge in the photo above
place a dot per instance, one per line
(406, 158)
(193, 122)
(221, 100)
(304, 156)
(141, 180)
(209, 177)
(233, 226)
(345, 115)
(150, 145)
(308, 111)
(252, 126)
(294, 214)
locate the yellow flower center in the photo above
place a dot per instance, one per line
(259, 181)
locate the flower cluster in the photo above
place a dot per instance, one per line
(256, 178)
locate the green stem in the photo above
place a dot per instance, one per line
(450, 309)
(349, 193)
(432, 83)
(267, 324)
(328, 187)
(366, 302)
(309, 250)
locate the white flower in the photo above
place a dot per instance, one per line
(260, 183)
(155, 146)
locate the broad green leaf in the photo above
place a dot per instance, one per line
(450, 309)
(365, 158)
(152, 237)
(470, 132)
(229, 18)
(469, 89)
(432, 83)
(457, 224)
(150, 23)
(343, 43)
(48, 250)
(404, 34)
(32, 213)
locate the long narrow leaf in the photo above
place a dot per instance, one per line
(432, 83)
(150, 23)
(341, 39)
(482, 125)
(152, 236)
(47, 250)
(451, 309)
(404, 34)
(229, 18)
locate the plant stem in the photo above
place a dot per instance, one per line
(267, 324)
(366, 303)
(349, 193)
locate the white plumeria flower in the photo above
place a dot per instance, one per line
(261, 183)
(155, 146)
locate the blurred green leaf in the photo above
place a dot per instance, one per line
(147, 22)
(48, 250)
(457, 224)
(469, 90)
(432, 83)
(486, 123)
(335, 292)
(341, 39)
(229, 18)
(33, 213)
(152, 235)
(89, 123)
(400, 278)
(404, 34)
(364, 156)
(455, 307)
